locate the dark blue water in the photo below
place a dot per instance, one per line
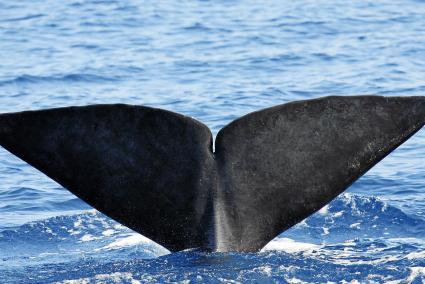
(215, 61)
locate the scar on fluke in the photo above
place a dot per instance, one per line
(155, 172)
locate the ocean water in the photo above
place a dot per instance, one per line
(214, 61)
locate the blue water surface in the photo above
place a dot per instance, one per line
(214, 61)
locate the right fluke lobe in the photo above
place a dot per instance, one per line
(281, 164)
(154, 170)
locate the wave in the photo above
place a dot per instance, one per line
(314, 266)
(347, 217)
(353, 216)
(24, 18)
(21, 199)
(353, 233)
(69, 78)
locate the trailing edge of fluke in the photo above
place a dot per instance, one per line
(155, 171)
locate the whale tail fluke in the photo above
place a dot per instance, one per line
(154, 171)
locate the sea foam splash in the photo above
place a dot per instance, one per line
(90, 247)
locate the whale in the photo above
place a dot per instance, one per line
(161, 174)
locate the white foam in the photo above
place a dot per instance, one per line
(355, 225)
(362, 262)
(116, 277)
(351, 282)
(78, 223)
(415, 273)
(72, 232)
(266, 270)
(108, 232)
(325, 231)
(87, 238)
(289, 245)
(416, 255)
(324, 210)
(132, 240)
(295, 280)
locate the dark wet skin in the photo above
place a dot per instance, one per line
(155, 172)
